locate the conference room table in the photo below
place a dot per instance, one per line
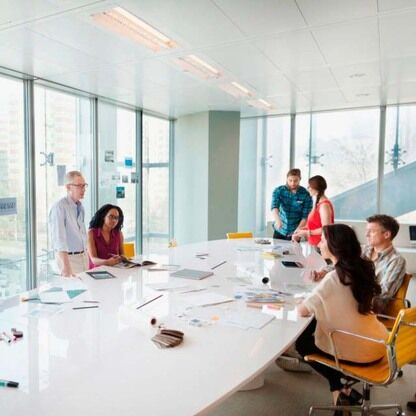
(101, 361)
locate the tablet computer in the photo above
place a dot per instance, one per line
(292, 264)
(101, 274)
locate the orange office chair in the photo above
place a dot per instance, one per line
(397, 303)
(400, 350)
(239, 235)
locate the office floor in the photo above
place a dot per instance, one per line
(291, 394)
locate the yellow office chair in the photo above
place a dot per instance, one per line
(397, 303)
(400, 350)
(128, 248)
(239, 235)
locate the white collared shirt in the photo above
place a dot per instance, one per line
(66, 227)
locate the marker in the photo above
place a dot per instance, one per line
(218, 265)
(8, 383)
(85, 307)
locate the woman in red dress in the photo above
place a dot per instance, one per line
(322, 212)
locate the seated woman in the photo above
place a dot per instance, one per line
(321, 214)
(342, 300)
(105, 239)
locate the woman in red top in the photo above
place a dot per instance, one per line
(322, 212)
(105, 239)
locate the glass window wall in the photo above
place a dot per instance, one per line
(12, 189)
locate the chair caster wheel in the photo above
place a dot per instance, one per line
(400, 373)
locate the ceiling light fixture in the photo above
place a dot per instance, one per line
(123, 22)
(237, 90)
(198, 67)
(363, 94)
(260, 103)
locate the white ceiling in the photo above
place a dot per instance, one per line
(300, 55)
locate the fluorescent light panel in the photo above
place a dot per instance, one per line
(260, 103)
(198, 67)
(236, 90)
(123, 22)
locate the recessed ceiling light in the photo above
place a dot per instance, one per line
(237, 90)
(260, 103)
(123, 22)
(198, 67)
(363, 94)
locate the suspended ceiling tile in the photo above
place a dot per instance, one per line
(242, 60)
(198, 23)
(365, 94)
(349, 43)
(404, 92)
(318, 79)
(270, 85)
(397, 71)
(39, 47)
(262, 16)
(90, 39)
(324, 99)
(292, 51)
(20, 61)
(321, 12)
(357, 74)
(397, 32)
(388, 5)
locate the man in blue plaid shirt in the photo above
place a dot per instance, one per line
(291, 204)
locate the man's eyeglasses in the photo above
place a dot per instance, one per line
(80, 185)
(113, 217)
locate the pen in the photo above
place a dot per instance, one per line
(193, 290)
(8, 383)
(85, 307)
(149, 301)
(218, 265)
(91, 301)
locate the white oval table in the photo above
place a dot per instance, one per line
(98, 362)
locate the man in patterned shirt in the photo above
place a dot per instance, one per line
(390, 265)
(291, 204)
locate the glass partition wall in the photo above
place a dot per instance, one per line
(74, 132)
(12, 189)
(63, 142)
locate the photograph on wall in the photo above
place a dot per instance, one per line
(134, 177)
(120, 192)
(116, 177)
(125, 179)
(61, 172)
(109, 156)
(128, 162)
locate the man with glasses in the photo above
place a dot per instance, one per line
(67, 227)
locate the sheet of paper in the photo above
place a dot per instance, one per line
(166, 285)
(247, 319)
(206, 298)
(54, 295)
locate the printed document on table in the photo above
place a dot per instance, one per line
(206, 298)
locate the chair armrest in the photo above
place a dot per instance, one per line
(392, 318)
(352, 334)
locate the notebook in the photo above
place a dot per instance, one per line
(128, 264)
(192, 274)
(101, 274)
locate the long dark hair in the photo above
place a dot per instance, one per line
(97, 221)
(352, 269)
(318, 182)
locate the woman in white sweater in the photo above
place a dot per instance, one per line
(342, 300)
